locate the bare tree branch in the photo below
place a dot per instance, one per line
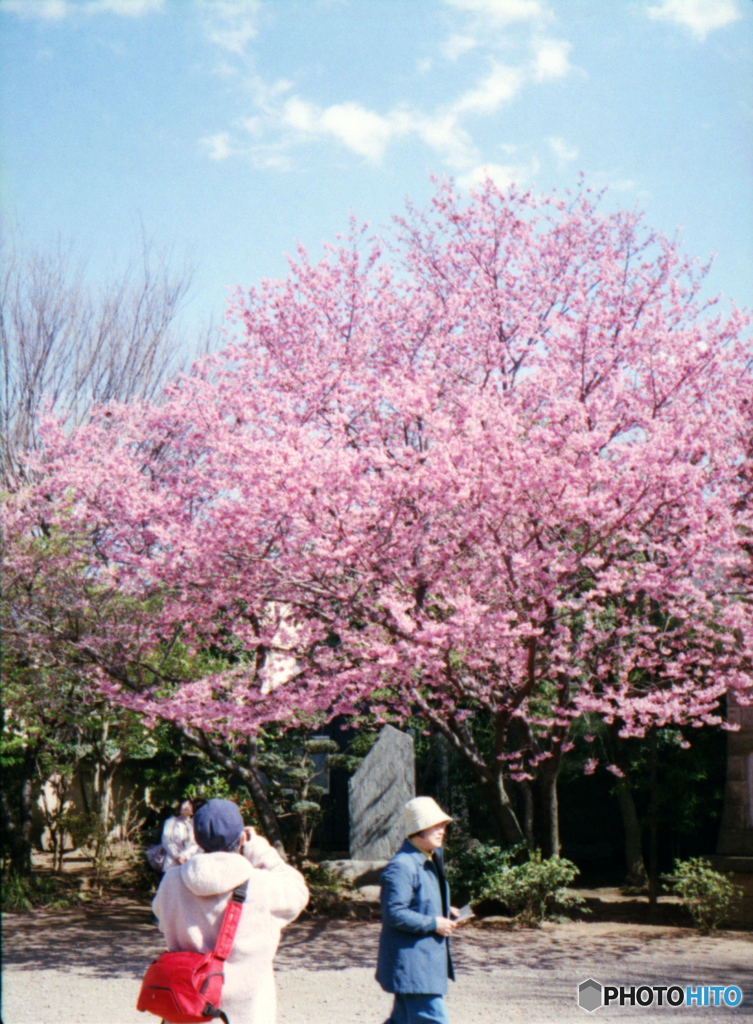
(64, 343)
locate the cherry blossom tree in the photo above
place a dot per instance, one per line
(490, 466)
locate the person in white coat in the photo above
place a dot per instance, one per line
(178, 840)
(192, 897)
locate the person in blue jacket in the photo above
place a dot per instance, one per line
(414, 959)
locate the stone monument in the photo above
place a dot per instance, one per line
(378, 792)
(735, 847)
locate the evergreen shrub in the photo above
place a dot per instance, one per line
(707, 894)
(533, 889)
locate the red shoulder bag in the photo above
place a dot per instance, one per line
(186, 988)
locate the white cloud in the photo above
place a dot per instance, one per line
(265, 94)
(302, 116)
(503, 175)
(501, 12)
(550, 60)
(609, 179)
(700, 16)
(281, 122)
(458, 45)
(360, 130)
(564, 153)
(271, 158)
(280, 119)
(45, 10)
(253, 125)
(231, 24)
(57, 10)
(219, 146)
(126, 8)
(443, 133)
(499, 87)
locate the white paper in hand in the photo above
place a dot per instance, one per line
(464, 914)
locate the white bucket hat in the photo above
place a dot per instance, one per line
(422, 812)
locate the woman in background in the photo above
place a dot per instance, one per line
(177, 836)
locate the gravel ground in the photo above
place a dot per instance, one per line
(84, 967)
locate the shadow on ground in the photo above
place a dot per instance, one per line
(109, 940)
(118, 939)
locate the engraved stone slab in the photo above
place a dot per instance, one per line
(378, 792)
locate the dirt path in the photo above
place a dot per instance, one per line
(84, 967)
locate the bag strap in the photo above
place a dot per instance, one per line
(229, 926)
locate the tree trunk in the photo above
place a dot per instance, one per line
(636, 869)
(104, 777)
(27, 805)
(499, 804)
(637, 875)
(263, 807)
(653, 857)
(547, 830)
(56, 818)
(526, 790)
(492, 780)
(104, 806)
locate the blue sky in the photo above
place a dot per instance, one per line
(230, 130)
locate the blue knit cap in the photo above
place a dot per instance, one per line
(217, 825)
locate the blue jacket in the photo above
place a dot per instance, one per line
(412, 957)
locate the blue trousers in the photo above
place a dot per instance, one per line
(410, 1008)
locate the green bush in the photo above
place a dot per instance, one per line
(328, 893)
(24, 893)
(706, 893)
(532, 889)
(471, 868)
